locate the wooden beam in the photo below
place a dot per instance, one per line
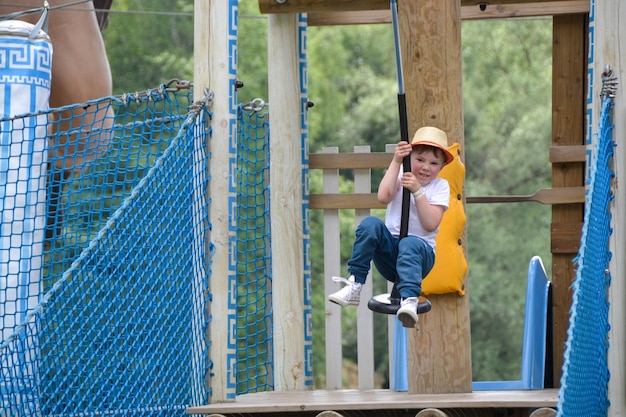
(308, 403)
(569, 72)
(308, 6)
(565, 237)
(525, 9)
(349, 160)
(568, 153)
(558, 154)
(326, 6)
(361, 17)
(337, 201)
(473, 12)
(331, 201)
(553, 196)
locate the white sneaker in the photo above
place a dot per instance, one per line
(407, 313)
(348, 295)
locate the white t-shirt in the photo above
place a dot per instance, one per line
(437, 192)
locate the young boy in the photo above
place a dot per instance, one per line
(410, 258)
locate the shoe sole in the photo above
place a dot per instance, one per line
(407, 320)
(342, 302)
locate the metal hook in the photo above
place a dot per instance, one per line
(255, 105)
(609, 83)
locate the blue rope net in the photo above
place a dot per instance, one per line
(584, 383)
(120, 325)
(254, 324)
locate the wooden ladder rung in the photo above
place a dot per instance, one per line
(562, 154)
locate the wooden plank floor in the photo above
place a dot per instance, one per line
(322, 400)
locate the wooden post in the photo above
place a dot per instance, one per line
(430, 33)
(213, 68)
(609, 29)
(569, 59)
(286, 203)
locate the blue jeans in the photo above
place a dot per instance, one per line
(410, 259)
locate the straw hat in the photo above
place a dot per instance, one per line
(432, 136)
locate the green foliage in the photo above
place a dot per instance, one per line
(352, 81)
(252, 53)
(507, 110)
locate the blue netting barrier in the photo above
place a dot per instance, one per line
(254, 320)
(120, 252)
(584, 383)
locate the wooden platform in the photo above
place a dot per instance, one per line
(381, 402)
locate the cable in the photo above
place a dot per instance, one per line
(69, 6)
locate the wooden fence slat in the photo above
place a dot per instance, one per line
(365, 317)
(332, 266)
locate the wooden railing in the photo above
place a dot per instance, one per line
(361, 161)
